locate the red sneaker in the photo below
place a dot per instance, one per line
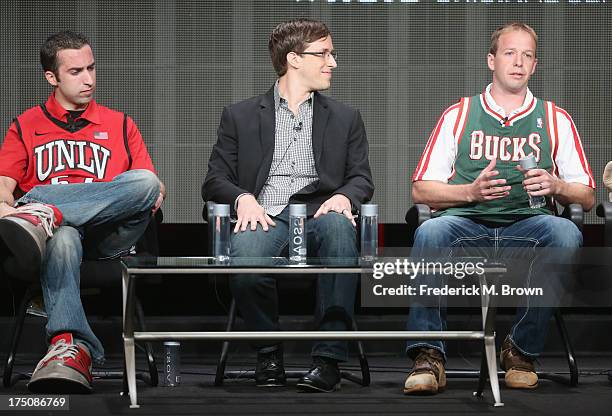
(24, 234)
(66, 369)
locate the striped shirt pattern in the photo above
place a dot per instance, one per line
(293, 165)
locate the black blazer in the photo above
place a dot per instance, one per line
(240, 160)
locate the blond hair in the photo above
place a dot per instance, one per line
(510, 27)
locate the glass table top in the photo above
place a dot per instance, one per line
(134, 262)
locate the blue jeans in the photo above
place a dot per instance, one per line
(528, 333)
(101, 220)
(331, 236)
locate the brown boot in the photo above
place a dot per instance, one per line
(520, 371)
(427, 375)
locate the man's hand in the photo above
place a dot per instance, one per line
(6, 209)
(7, 188)
(486, 188)
(338, 203)
(249, 211)
(160, 198)
(538, 182)
(158, 203)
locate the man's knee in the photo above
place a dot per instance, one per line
(562, 232)
(336, 226)
(434, 232)
(144, 180)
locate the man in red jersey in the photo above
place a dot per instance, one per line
(88, 187)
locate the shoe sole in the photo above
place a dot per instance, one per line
(58, 386)
(424, 390)
(271, 384)
(56, 380)
(21, 245)
(314, 389)
(522, 386)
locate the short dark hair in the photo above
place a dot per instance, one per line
(293, 36)
(66, 39)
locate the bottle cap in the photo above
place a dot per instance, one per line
(297, 210)
(528, 162)
(221, 210)
(369, 210)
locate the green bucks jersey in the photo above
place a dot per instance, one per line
(472, 133)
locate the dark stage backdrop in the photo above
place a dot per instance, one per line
(173, 65)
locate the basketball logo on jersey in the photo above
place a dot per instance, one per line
(539, 122)
(503, 148)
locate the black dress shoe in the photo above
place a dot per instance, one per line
(324, 376)
(270, 371)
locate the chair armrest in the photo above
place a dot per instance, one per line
(605, 210)
(148, 243)
(418, 214)
(575, 214)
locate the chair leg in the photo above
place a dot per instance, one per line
(153, 375)
(125, 389)
(482, 375)
(363, 360)
(569, 350)
(220, 374)
(7, 379)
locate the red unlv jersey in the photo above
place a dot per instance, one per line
(45, 145)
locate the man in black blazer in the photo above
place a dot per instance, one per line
(293, 145)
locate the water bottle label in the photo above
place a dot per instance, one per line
(297, 226)
(297, 240)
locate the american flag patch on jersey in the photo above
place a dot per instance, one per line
(100, 135)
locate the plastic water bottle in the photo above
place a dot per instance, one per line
(221, 233)
(369, 232)
(528, 163)
(297, 233)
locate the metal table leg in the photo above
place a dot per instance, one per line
(128, 336)
(490, 355)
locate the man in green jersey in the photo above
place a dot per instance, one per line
(468, 175)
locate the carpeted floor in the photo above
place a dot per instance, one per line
(197, 396)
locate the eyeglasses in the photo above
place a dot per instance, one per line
(322, 54)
